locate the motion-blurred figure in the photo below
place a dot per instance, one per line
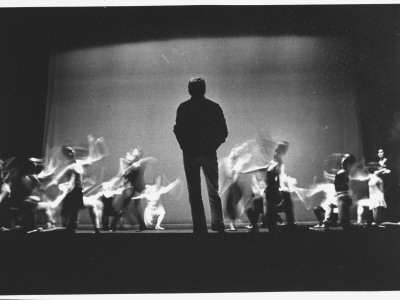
(376, 201)
(234, 185)
(241, 175)
(277, 193)
(132, 169)
(342, 188)
(391, 187)
(25, 195)
(72, 192)
(71, 185)
(107, 197)
(327, 209)
(154, 210)
(328, 203)
(258, 202)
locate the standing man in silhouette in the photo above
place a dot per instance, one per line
(200, 129)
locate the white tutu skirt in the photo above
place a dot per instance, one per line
(377, 202)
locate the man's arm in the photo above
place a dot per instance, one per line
(182, 128)
(224, 127)
(221, 129)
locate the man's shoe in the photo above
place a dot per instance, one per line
(198, 232)
(218, 229)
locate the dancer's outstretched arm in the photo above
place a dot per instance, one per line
(316, 190)
(382, 171)
(139, 163)
(65, 188)
(60, 176)
(142, 196)
(166, 189)
(97, 150)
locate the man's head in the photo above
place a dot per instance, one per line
(197, 86)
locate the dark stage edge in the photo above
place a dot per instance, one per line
(177, 261)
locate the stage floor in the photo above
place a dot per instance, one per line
(177, 261)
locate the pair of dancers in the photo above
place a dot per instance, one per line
(339, 196)
(242, 174)
(125, 191)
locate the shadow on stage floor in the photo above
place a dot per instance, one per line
(176, 261)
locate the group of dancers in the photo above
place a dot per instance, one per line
(263, 189)
(63, 187)
(252, 182)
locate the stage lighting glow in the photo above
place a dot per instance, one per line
(299, 89)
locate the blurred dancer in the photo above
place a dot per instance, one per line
(376, 201)
(342, 189)
(277, 193)
(200, 130)
(154, 210)
(376, 194)
(25, 194)
(328, 203)
(72, 192)
(110, 191)
(132, 169)
(391, 186)
(256, 208)
(234, 185)
(70, 183)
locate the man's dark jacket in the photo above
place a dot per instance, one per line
(200, 127)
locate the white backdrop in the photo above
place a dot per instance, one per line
(299, 89)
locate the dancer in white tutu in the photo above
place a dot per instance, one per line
(376, 201)
(154, 211)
